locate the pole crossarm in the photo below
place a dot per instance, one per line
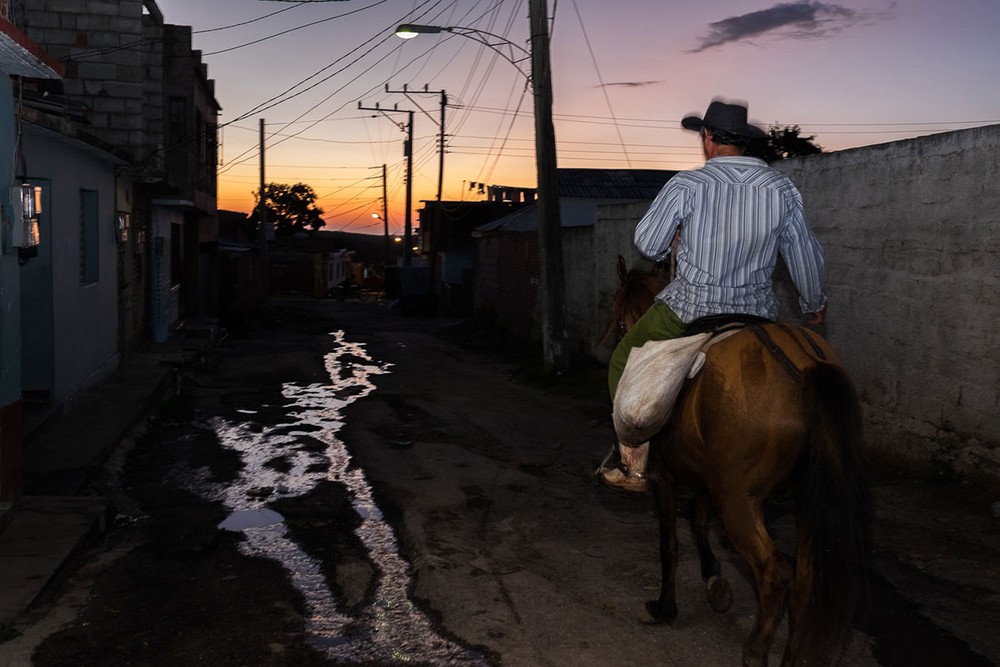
(406, 92)
(385, 112)
(442, 137)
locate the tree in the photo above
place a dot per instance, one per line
(785, 142)
(290, 208)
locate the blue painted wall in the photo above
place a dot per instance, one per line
(10, 281)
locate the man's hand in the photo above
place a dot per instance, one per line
(818, 317)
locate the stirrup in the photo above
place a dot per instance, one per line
(601, 468)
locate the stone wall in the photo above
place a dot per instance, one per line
(911, 231)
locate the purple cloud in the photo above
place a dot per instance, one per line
(796, 19)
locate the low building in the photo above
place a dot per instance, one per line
(507, 261)
(20, 57)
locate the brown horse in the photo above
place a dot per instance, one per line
(771, 406)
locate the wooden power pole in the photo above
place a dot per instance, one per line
(553, 278)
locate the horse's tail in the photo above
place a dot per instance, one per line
(834, 519)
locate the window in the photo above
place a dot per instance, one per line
(88, 236)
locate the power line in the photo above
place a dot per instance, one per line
(604, 89)
(291, 30)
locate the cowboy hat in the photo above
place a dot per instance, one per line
(731, 118)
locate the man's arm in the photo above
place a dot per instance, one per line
(654, 234)
(804, 257)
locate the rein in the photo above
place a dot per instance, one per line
(780, 355)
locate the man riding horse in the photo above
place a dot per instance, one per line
(725, 222)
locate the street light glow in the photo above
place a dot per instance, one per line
(411, 30)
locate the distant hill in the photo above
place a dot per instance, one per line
(368, 248)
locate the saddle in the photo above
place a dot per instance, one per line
(716, 324)
(656, 372)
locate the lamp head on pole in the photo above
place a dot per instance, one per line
(411, 30)
(513, 53)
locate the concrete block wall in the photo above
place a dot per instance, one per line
(101, 45)
(507, 282)
(612, 237)
(911, 231)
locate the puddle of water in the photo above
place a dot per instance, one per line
(243, 520)
(392, 629)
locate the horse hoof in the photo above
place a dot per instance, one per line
(655, 614)
(720, 594)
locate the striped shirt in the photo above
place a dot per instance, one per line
(735, 215)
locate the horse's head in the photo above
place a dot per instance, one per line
(635, 294)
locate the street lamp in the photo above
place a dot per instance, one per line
(514, 54)
(553, 292)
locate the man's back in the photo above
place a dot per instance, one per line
(734, 215)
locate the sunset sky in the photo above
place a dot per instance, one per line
(852, 73)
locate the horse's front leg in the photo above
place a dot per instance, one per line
(720, 593)
(664, 488)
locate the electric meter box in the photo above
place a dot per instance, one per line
(27, 203)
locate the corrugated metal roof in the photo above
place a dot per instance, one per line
(612, 183)
(581, 191)
(20, 56)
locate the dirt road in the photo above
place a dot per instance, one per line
(434, 482)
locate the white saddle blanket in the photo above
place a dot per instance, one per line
(650, 384)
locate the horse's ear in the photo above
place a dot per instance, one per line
(622, 269)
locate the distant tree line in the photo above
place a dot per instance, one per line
(784, 142)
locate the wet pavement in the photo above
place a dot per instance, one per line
(358, 487)
(389, 628)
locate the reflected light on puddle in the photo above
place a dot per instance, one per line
(391, 629)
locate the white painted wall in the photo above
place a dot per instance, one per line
(84, 317)
(911, 231)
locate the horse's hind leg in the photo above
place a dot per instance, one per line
(744, 522)
(720, 593)
(664, 609)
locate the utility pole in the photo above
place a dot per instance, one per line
(408, 224)
(436, 228)
(444, 104)
(441, 135)
(553, 278)
(408, 153)
(385, 216)
(262, 212)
